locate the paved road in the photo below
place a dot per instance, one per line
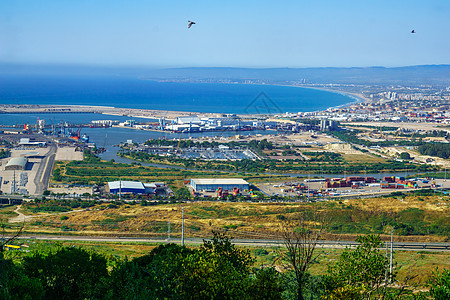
(44, 171)
(444, 247)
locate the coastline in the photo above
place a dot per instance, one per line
(360, 98)
(153, 114)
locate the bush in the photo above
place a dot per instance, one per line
(405, 155)
(66, 228)
(440, 287)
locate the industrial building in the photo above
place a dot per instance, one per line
(134, 187)
(28, 143)
(126, 187)
(17, 163)
(212, 184)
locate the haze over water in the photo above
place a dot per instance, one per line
(174, 96)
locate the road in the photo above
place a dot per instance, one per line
(44, 171)
(435, 247)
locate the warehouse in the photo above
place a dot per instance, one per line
(126, 187)
(17, 163)
(136, 187)
(212, 184)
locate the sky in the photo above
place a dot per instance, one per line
(320, 33)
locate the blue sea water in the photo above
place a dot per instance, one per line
(127, 92)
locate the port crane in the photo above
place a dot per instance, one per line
(76, 135)
(179, 142)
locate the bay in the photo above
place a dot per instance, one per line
(129, 92)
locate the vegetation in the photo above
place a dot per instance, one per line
(405, 155)
(316, 161)
(324, 156)
(324, 162)
(433, 133)
(217, 269)
(300, 235)
(436, 149)
(421, 215)
(440, 287)
(93, 170)
(4, 153)
(52, 205)
(183, 144)
(360, 273)
(350, 136)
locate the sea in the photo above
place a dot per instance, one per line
(132, 92)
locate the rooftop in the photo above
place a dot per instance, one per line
(219, 181)
(17, 161)
(126, 185)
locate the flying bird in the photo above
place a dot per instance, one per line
(190, 23)
(412, 31)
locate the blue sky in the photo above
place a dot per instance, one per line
(230, 33)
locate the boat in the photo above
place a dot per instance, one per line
(85, 138)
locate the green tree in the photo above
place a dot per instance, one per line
(15, 284)
(216, 270)
(266, 285)
(363, 269)
(182, 193)
(440, 285)
(300, 235)
(405, 155)
(68, 273)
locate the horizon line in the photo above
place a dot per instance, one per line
(144, 66)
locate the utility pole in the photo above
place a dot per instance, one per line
(120, 189)
(308, 186)
(391, 258)
(386, 271)
(380, 182)
(182, 226)
(14, 182)
(168, 232)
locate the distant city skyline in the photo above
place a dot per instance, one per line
(250, 33)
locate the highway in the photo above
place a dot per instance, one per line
(435, 247)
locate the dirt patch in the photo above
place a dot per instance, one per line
(68, 154)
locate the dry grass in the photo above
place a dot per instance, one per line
(241, 219)
(395, 204)
(362, 159)
(7, 212)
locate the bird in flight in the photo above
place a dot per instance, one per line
(190, 23)
(412, 31)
